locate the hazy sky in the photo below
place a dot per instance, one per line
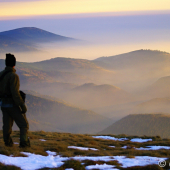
(51, 7)
(116, 25)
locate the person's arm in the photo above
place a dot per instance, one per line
(14, 87)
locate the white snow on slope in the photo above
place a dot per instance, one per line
(43, 140)
(153, 148)
(110, 138)
(140, 140)
(122, 139)
(82, 148)
(147, 147)
(124, 147)
(16, 143)
(126, 162)
(102, 167)
(139, 161)
(33, 161)
(51, 153)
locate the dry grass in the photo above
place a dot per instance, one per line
(10, 167)
(59, 142)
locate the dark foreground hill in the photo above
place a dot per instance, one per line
(52, 115)
(141, 124)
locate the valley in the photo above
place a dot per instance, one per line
(87, 96)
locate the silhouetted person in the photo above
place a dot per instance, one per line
(12, 105)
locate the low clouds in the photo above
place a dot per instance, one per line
(114, 34)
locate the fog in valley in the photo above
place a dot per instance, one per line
(85, 78)
(110, 86)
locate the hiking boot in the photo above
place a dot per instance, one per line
(25, 144)
(9, 145)
(9, 142)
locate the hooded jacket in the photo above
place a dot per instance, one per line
(9, 88)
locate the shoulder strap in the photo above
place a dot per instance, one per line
(23, 95)
(3, 75)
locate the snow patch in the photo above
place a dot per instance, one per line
(122, 139)
(102, 167)
(51, 153)
(153, 148)
(124, 147)
(110, 138)
(16, 143)
(82, 148)
(140, 140)
(33, 161)
(43, 140)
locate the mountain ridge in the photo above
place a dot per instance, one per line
(141, 124)
(158, 89)
(154, 105)
(52, 115)
(33, 34)
(90, 95)
(127, 59)
(27, 38)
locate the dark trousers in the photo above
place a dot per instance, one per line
(11, 114)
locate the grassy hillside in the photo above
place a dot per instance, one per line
(141, 124)
(66, 70)
(59, 143)
(51, 115)
(65, 64)
(47, 76)
(70, 70)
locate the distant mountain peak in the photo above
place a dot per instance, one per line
(109, 86)
(103, 87)
(149, 50)
(140, 51)
(25, 28)
(20, 39)
(135, 59)
(32, 32)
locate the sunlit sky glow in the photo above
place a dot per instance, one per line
(113, 26)
(51, 7)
